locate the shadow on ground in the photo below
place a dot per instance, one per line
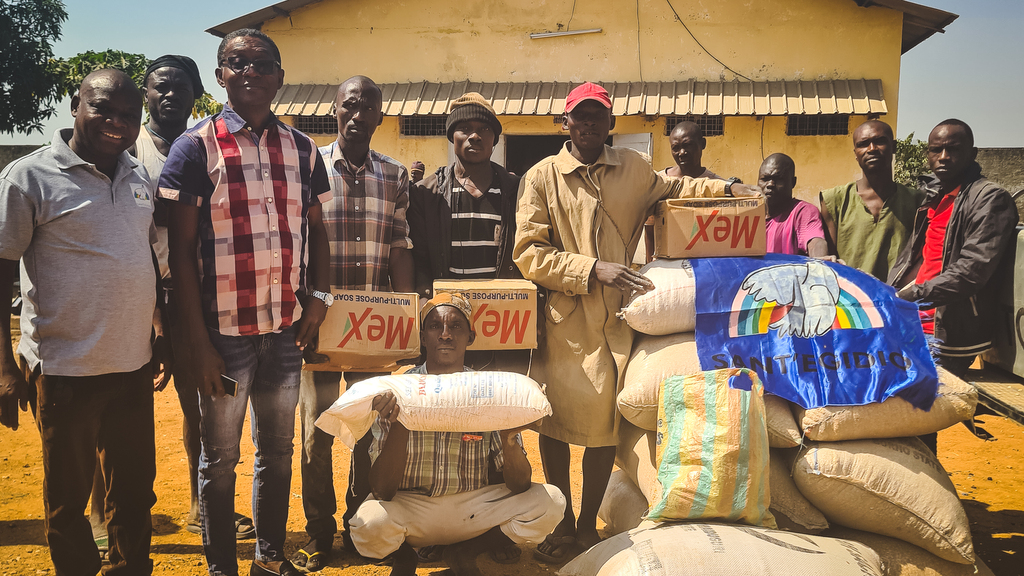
(998, 537)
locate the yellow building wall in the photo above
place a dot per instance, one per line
(488, 40)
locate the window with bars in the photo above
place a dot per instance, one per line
(818, 125)
(317, 124)
(423, 125)
(709, 125)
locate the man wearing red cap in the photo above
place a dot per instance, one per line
(579, 220)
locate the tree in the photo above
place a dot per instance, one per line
(911, 160)
(29, 84)
(73, 70)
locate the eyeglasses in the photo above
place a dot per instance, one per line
(261, 67)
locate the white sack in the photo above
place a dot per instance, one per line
(894, 418)
(669, 307)
(692, 549)
(460, 402)
(623, 506)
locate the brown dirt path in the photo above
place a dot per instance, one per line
(987, 474)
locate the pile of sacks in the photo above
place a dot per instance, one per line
(852, 490)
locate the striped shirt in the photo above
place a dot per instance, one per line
(476, 230)
(254, 193)
(442, 463)
(365, 219)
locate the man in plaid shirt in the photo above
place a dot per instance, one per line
(370, 250)
(433, 488)
(249, 256)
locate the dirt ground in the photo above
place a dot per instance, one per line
(988, 476)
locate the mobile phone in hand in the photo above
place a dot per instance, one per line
(230, 385)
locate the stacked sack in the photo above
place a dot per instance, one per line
(860, 468)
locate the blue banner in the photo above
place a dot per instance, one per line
(817, 333)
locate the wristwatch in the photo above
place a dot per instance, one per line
(327, 297)
(728, 185)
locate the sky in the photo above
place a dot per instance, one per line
(975, 71)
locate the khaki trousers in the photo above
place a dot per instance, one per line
(380, 527)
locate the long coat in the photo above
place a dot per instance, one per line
(570, 215)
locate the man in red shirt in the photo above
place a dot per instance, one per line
(961, 233)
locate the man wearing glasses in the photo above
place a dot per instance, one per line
(250, 258)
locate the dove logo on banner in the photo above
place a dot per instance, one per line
(800, 299)
(817, 333)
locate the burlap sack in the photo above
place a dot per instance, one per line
(792, 511)
(782, 429)
(902, 559)
(654, 358)
(892, 487)
(696, 549)
(894, 418)
(623, 506)
(636, 456)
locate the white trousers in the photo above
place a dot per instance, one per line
(380, 527)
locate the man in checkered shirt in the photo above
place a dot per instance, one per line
(370, 250)
(249, 256)
(435, 488)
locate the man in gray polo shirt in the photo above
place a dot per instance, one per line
(78, 214)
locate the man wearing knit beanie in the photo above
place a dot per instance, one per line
(472, 106)
(462, 218)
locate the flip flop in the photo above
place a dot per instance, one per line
(565, 548)
(316, 560)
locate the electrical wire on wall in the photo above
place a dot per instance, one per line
(571, 14)
(687, 28)
(639, 60)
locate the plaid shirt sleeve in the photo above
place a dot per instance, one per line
(400, 225)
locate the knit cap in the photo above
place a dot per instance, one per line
(472, 106)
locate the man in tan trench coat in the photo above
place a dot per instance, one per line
(578, 223)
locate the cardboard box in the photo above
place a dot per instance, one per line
(504, 312)
(701, 227)
(368, 331)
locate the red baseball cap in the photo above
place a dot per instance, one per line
(587, 91)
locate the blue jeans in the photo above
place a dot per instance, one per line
(267, 368)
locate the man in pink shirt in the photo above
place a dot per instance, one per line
(793, 226)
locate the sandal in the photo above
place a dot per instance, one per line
(509, 554)
(244, 528)
(430, 554)
(314, 556)
(563, 548)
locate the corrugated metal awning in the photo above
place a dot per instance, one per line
(628, 98)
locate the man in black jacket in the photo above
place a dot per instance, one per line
(462, 218)
(951, 264)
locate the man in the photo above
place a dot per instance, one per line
(578, 224)
(370, 244)
(462, 217)
(420, 499)
(79, 215)
(951, 263)
(416, 171)
(249, 257)
(870, 219)
(688, 143)
(793, 226)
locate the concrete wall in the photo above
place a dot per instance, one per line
(11, 152)
(488, 41)
(1004, 166)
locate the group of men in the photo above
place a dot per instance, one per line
(254, 227)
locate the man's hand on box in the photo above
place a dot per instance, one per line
(313, 313)
(621, 278)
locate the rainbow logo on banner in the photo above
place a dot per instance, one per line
(754, 313)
